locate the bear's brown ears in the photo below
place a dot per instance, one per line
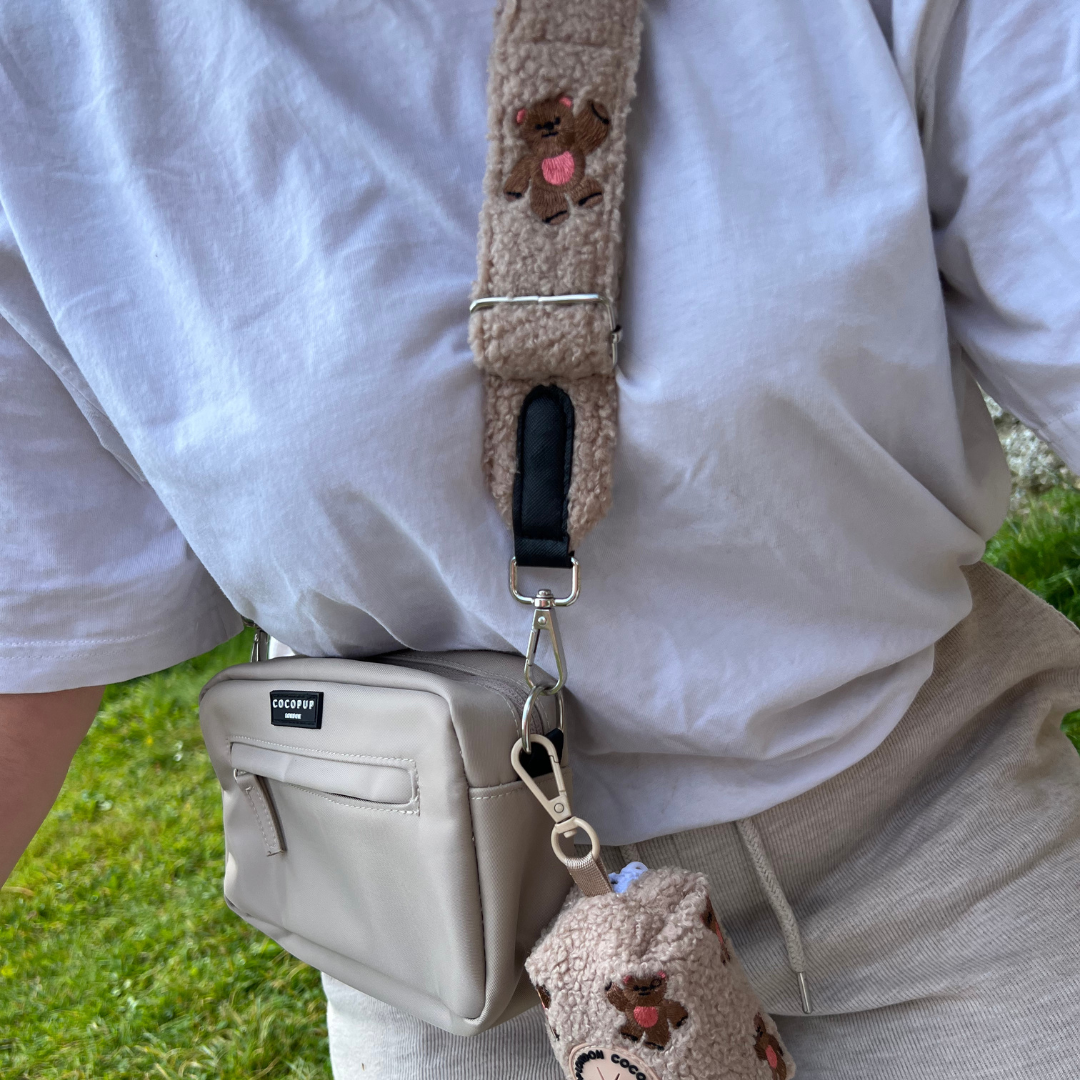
(523, 112)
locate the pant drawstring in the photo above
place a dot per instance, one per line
(774, 893)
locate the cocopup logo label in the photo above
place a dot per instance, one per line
(296, 708)
(607, 1063)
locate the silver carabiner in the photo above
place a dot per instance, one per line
(526, 715)
(544, 621)
(260, 643)
(544, 604)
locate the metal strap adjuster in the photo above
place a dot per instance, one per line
(484, 302)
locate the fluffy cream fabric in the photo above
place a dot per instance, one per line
(647, 977)
(586, 51)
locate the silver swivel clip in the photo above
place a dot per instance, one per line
(588, 870)
(260, 643)
(544, 621)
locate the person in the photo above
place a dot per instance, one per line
(236, 251)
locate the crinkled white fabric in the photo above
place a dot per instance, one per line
(244, 237)
(96, 582)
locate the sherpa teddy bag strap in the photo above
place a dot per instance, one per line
(543, 327)
(638, 982)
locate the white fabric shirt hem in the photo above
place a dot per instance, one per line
(36, 667)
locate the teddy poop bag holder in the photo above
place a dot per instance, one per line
(643, 985)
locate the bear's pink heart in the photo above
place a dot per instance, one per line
(646, 1015)
(770, 1057)
(558, 170)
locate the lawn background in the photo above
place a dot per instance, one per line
(118, 957)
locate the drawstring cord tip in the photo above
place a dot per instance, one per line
(804, 993)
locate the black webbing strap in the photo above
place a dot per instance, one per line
(545, 451)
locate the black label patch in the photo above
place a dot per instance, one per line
(296, 708)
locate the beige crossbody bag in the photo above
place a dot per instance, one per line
(405, 823)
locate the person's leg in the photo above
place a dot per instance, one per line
(39, 734)
(935, 882)
(373, 1041)
(982, 881)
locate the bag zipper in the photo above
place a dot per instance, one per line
(512, 692)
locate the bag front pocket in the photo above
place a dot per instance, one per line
(371, 780)
(355, 868)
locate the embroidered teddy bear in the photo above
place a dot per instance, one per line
(545, 1003)
(650, 1016)
(768, 1048)
(554, 165)
(713, 923)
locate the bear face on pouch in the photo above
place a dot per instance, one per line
(552, 170)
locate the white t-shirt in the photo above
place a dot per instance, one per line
(242, 237)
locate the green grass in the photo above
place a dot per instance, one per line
(1041, 549)
(118, 956)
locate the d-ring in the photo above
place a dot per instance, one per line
(568, 828)
(545, 594)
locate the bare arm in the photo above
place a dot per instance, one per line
(39, 734)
